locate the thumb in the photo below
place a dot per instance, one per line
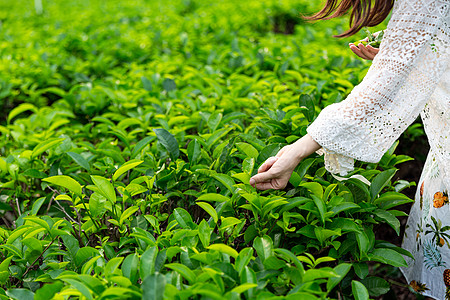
(260, 178)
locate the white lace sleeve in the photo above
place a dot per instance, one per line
(393, 93)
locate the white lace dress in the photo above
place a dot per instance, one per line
(409, 76)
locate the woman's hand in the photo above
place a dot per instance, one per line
(276, 171)
(366, 52)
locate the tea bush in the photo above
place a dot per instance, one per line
(129, 133)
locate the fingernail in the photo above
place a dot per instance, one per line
(252, 181)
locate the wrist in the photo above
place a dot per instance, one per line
(304, 147)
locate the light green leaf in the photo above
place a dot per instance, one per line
(341, 270)
(45, 145)
(315, 187)
(105, 187)
(359, 291)
(127, 213)
(213, 197)
(20, 109)
(124, 168)
(141, 144)
(204, 233)
(243, 287)
(37, 205)
(243, 259)
(130, 267)
(96, 204)
(224, 249)
(209, 209)
(184, 271)
(320, 207)
(183, 218)
(263, 246)
(147, 262)
(226, 180)
(66, 182)
(153, 287)
(248, 150)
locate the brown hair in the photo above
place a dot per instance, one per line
(363, 13)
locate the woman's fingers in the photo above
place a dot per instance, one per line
(372, 50)
(264, 177)
(264, 186)
(366, 52)
(357, 51)
(267, 164)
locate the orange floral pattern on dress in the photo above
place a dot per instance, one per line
(439, 199)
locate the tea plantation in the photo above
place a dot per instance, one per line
(130, 129)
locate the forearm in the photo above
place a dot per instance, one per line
(302, 148)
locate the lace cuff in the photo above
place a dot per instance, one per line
(336, 163)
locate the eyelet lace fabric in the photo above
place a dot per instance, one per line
(399, 85)
(409, 76)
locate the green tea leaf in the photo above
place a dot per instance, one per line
(147, 262)
(226, 180)
(147, 84)
(20, 294)
(388, 218)
(209, 209)
(153, 287)
(45, 145)
(214, 121)
(359, 291)
(169, 85)
(380, 181)
(20, 109)
(243, 259)
(105, 187)
(48, 291)
(248, 150)
(193, 151)
(168, 141)
(80, 160)
(127, 213)
(341, 270)
(264, 247)
(183, 218)
(223, 249)
(130, 267)
(376, 286)
(124, 168)
(37, 205)
(140, 145)
(243, 287)
(213, 197)
(204, 233)
(389, 256)
(66, 182)
(183, 271)
(96, 204)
